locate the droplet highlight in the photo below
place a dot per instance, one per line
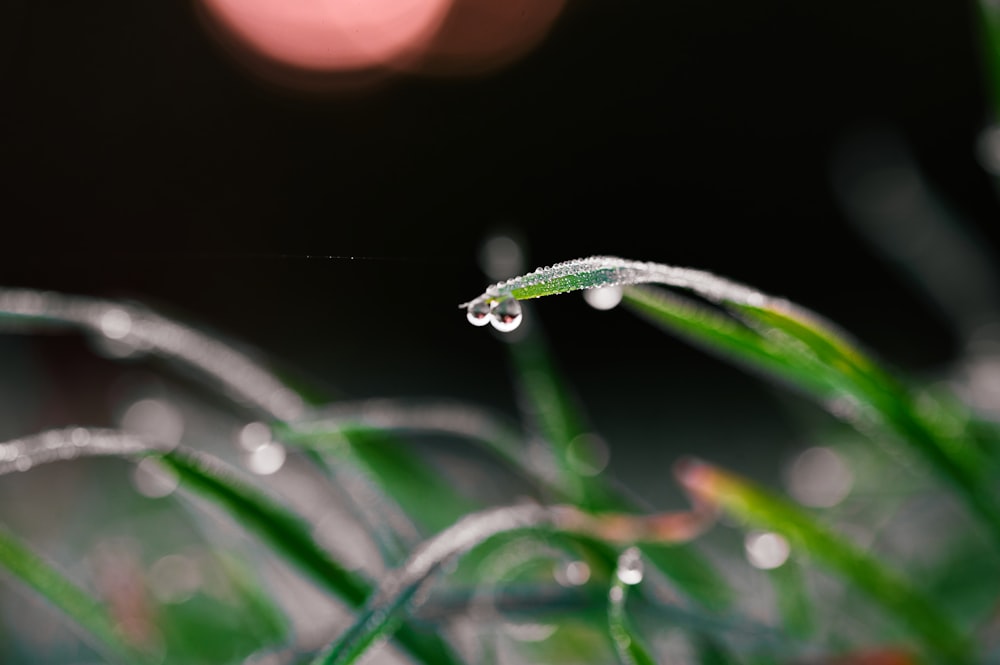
(766, 550)
(630, 569)
(506, 315)
(478, 313)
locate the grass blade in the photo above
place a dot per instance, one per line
(628, 645)
(762, 509)
(559, 419)
(76, 604)
(787, 342)
(285, 532)
(382, 616)
(137, 329)
(290, 536)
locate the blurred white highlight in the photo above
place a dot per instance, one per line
(819, 478)
(266, 459)
(603, 298)
(630, 568)
(116, 323)
(501, 257)
(156, 420)
(174, 578)
(574, 573)
(253, 436)
(766, 550)
(154, 480)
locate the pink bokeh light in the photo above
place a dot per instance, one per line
(320, 43)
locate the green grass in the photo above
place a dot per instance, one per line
(439, 561)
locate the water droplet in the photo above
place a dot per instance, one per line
(116, 323)
(80, 437)
(254, 436)
(630, 569)
(603, 298)
(819, 478)
(506, 315)
(478, 313)
(156, 419)
(267, 459)
(574, 573)
(766, 550)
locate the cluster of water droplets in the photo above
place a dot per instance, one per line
(505, 314)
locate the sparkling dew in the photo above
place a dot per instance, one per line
(504, 315)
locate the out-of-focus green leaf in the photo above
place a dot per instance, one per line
(99, 629)
(762, 509)
(290, 536)
(792, 598)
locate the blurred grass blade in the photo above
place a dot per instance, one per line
(989, 50)
(628, 645)
(392, 530)
(560, 420)
(713, 331)
(548, 403)
(762, 509)
(958, 459)
(383, 459)
(286, 533)
(136, 329)
(792, 598)
(289, 535)
(99, 629)
(426, 416)
(383, 615)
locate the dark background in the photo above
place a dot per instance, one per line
(141, 161)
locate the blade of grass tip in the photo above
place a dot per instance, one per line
(382, 617)
(98, 628)
(288, 534)
(760, 508)
(628, 646)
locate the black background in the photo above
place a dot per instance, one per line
(141, 161)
